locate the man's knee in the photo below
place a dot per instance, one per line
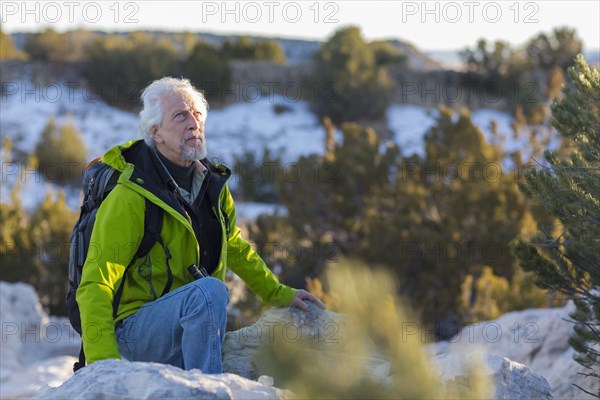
(215, 290)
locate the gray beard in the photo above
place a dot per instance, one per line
(193, 153)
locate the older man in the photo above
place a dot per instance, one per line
(164, 313)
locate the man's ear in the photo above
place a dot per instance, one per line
(155, 135)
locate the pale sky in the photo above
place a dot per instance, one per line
(430, 25)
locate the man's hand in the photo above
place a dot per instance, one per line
(301, 295)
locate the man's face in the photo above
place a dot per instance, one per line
(180, 136)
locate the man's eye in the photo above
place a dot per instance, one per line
(180, 116)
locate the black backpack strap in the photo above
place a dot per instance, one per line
(81, 363)
(101, 181)
(153, 220)
(169, 272)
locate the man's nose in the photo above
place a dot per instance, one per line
(195, 123)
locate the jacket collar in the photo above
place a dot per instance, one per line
(149, 174)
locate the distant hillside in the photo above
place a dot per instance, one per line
(299, 51)
(416, 59)
(449, 59)
(296, 50)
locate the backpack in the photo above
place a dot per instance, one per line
(98, 181)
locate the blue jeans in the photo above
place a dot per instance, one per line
(184, 328)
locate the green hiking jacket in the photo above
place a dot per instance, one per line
(116, 235)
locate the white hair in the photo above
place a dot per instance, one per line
(152, 111)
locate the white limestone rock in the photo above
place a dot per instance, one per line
(511, 380)
(537, 338)
(37, 350)
(27, 381)
(22, 317)
(283, 324)
(117, 379)
(328, 329)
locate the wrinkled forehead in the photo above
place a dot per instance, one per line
(183, 101)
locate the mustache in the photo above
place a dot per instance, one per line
(196, 135)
